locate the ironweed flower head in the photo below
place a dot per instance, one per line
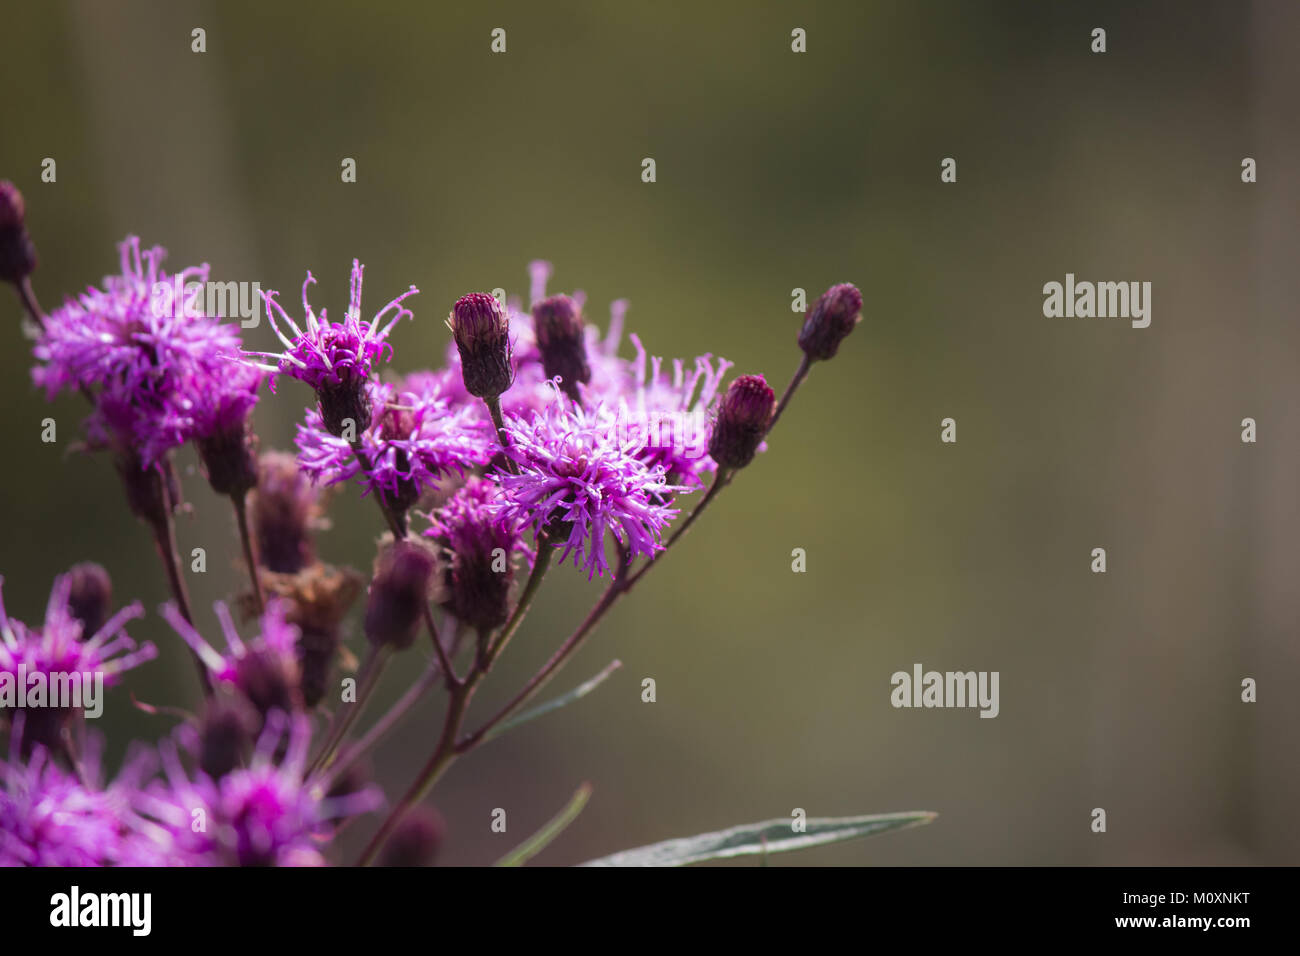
(335, 358)
(265, 814)
(480, 545)
(416, 438)
(17, 254)
(741, 421)
(58, 649)
(222, 433)
(830, 320)
(50, 818)
(264, 669)
(133, 347)
(577, 482)
(480, 326)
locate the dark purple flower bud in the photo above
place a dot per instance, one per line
(17, 254)
(344, 407)
(741, 421)
(830, 320)
(415, 841)
(481, 328)
(399, 594)
(285, 508)
(229, 457)
(560, 339)
(270, 679)
(480, 546)
(226, 734)
(90, 596)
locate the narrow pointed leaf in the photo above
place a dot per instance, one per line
(582, 690)
(770, 836)
(539, 841)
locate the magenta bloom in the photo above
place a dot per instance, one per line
(577, 482)
(334, 358)
(265, 668)
(415, 439)
(263, 815)
(58, 650)
(49, 818)
(132, 345)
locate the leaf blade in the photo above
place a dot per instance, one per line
(543, 838)
(768, 836)
(579, 692)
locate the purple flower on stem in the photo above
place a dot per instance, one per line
(480, 544)
(132, 347)
(335, 358)
(58, 650)
(266, 814)
(50, 818)
(265, 669)
(415, 439)
(577, 481)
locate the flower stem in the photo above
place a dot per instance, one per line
(494, 409)
(367, 680)
(28, 297)
(164, 536)
(799, 375)
(240, 501)
(543, 561)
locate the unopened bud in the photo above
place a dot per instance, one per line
(830, 320)
(285, 507)
(415, 841)
(481, 328)
(225, 735)
(560, 339)
(399, 594)
(90, 596)
(742, 418)
(17, 254)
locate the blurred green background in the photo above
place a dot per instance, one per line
(775, 171)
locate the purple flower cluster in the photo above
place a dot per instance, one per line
(535, 424)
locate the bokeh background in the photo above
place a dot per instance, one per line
(775, 171)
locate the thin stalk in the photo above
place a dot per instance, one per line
(28, 297)
(800, 374)
(543, 561)
(240, 502)
(720, 481)
(494, 409)
(164, 536)
(367, 680)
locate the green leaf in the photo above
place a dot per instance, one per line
(539, 841)
(582, 690)
(770, 836)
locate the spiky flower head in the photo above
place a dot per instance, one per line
(741, 421)
(264, 669)
(480, 326)
(49, 817)
(134, 346)
(266, 814)
(479, 545)
(49, 656)
(335, 358)
(416, 438)
(577, 482)
(830, 320)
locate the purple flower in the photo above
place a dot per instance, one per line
(266, 814)
(265, 669)
(577, 481)
(415, 439)
(132, 346)
(50, 818)
(335, 358)
(55, 652)
(480, 544)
